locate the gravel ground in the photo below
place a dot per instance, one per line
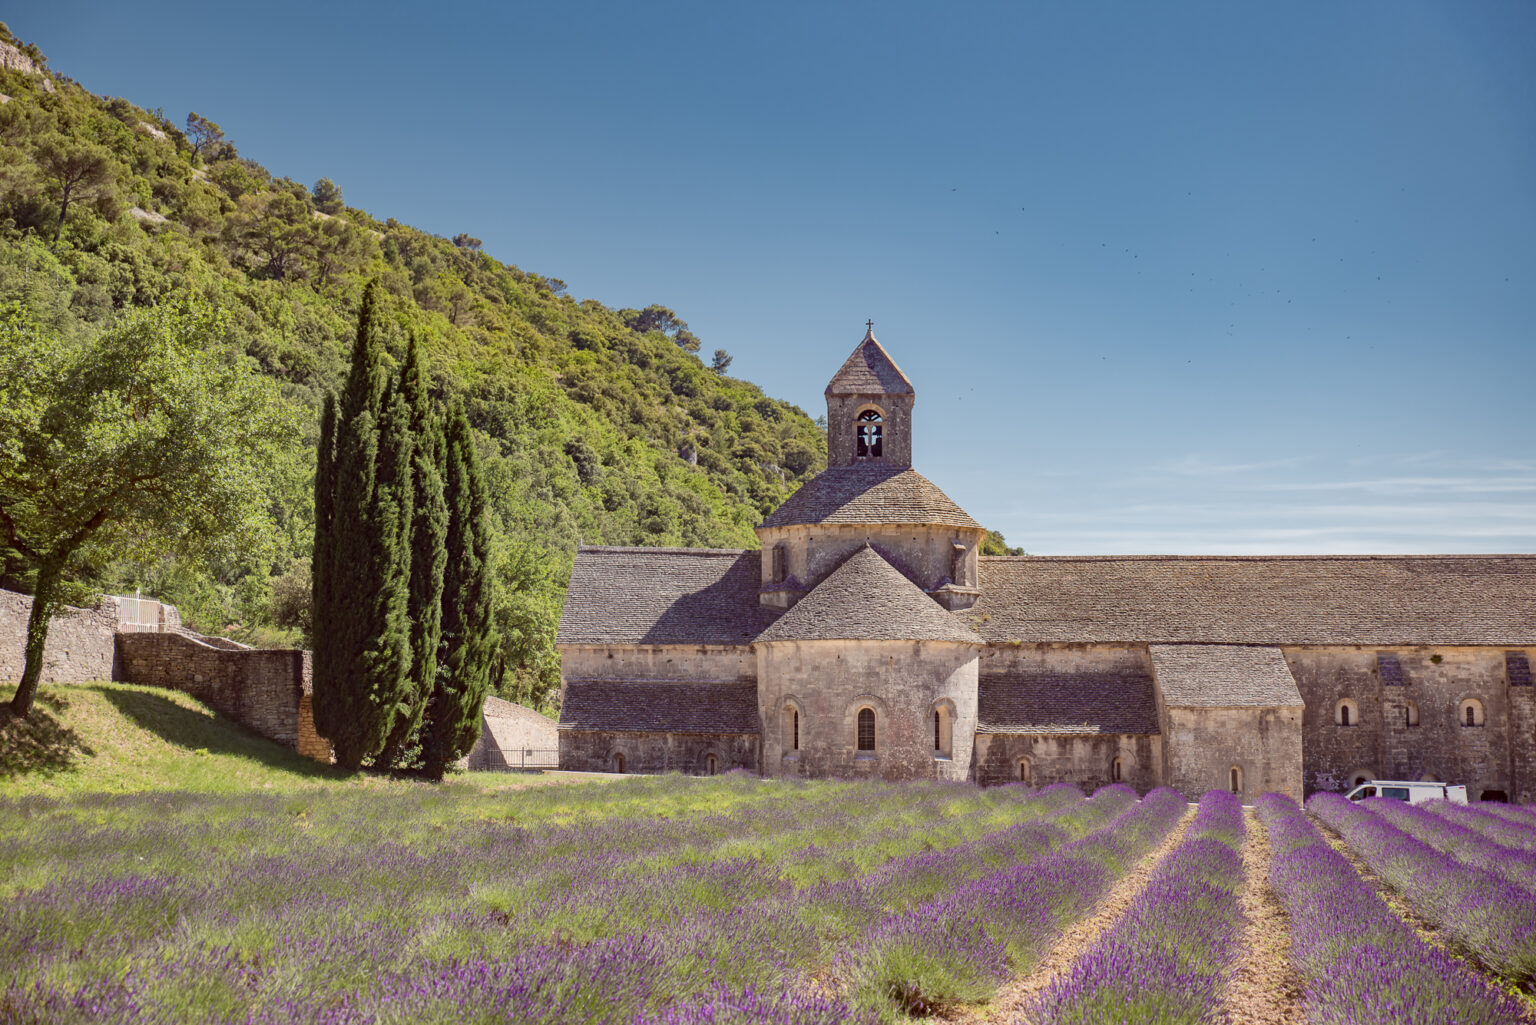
(1012, 1001)
(1264, 990)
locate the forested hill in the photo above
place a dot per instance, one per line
(597, 425)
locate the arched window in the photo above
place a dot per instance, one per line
(710, 765)
(1116, 770)
(1025, 771)
(1410, 715)
(780, 565)
(867, 433)
(1471, 712)
(791, 723)
(866, 729)
(618, 763)
(943, 730)
(1235, 779)
(1347, 713)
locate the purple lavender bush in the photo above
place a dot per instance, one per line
(1488, 917)
(1466, 845)
(1361, 964)
(1166, 958)
(957, 949)
(1498, 828)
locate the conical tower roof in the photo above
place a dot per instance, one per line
(867, 599)
(870, 371)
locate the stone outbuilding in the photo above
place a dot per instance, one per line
(868, 636)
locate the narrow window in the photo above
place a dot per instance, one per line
(1114, 770)
(868, 431)
(1343, 715)
(780, 563)
(1411, 714)
(938, 730)
(794, 719)
(618, 763)
(1346, 713)
(1472, 712)
(1237, 780)
(1024, 770)
(866, 729)
(1471, 716)
(709, 764)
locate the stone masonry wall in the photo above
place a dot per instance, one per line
(80, 644)
(594, 751)
(902, 681)
(1384, 745)
(259, 688)
(1084, 760)
(1264, 744)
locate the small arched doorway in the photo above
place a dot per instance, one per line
(618, 762)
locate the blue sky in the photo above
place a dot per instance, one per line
(1193, 277)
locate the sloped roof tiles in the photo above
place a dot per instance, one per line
(1223, 676)
(662, 596)
(870, 371)
(1367, 600)
(866, 598)
(1056, 703)
(870, 493)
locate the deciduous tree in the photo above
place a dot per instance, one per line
(147, 438)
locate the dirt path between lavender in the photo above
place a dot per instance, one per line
(1014, 998)
(1264, 989)
(1426, 929)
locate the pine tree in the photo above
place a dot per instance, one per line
(469, 641)
(361, 558)
(428, 557)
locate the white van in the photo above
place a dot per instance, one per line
(1412, 791)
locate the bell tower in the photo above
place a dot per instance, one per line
(869, 409)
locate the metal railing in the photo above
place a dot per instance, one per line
(138, 615)
(520, 759)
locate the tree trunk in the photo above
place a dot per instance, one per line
(43, 600)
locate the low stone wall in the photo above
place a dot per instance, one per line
(1087, 761)
(598, 751)
(80, 644)
(262, 689)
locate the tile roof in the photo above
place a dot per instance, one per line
(496, 708)
(866, 598)
(660, 707)
(662, 596)
(1325, 599)
(870, 371)
(1047, 702)
(1223, 676)
(869, 493)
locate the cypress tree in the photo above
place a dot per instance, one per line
(362, 487)
(428, 557)
(469, 642)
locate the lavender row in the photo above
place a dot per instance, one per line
(1490, 918)
(1503, 829)
(1360, 963)
(1167, 958)
(300, 937)
(1468, 846)
(959, 948)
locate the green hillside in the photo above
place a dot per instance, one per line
(597, 425)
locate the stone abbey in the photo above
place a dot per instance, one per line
(868, 637)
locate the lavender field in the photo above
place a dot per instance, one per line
(725, 900)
